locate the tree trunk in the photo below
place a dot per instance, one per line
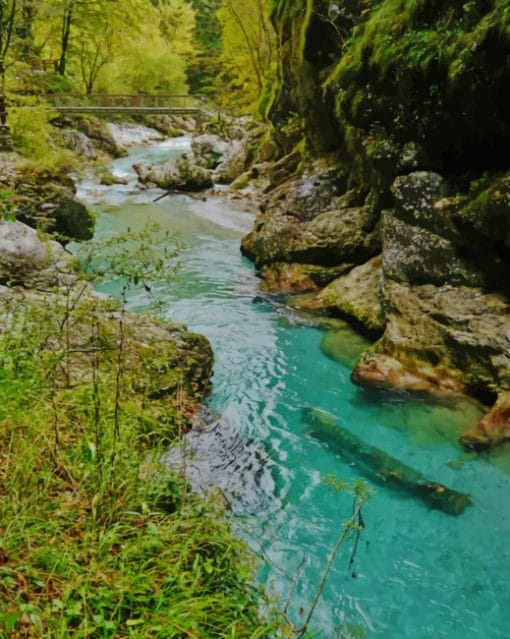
(3, 107)
(66, 32)
(24, 28)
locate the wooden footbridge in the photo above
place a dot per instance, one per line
(125, 104)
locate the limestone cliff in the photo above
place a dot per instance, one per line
(392, 118)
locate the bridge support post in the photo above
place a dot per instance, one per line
(5, 132)
(5, 138)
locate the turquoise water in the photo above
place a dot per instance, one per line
(420, 573)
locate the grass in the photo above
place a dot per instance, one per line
(97, 538)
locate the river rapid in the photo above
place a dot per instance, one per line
(418, 572)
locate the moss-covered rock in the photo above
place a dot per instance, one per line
(357, 295)
(398, 112)
(181, 174)
(44, 199)
(285, 277)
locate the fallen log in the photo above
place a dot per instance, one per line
(177, 190)
(380, 467)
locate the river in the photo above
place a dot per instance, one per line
(418, 573)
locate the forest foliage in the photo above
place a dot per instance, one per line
(223, 48)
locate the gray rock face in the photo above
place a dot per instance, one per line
(127, 134)
(210, 150)
(234, 163)
(334, 236)
(415, 195)
(414, 254)
(96, 132)
(79, 143)
(29, 261)
(439, 291)
(314, 220)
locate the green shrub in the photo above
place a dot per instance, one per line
(33, 135)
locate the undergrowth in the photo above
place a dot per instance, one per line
(97, 539)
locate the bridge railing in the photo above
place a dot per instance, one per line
(124, 100)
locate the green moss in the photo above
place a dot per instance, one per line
(267, 98)
(344, 346)
(402, 36)
(309, 7)
(99, 539)
(241, 183)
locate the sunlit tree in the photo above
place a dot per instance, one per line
(248, 49)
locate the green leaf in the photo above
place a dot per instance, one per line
(134, 622)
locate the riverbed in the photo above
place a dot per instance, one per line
(418, 572)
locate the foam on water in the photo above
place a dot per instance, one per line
(420, 573)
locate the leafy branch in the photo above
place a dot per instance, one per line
(351, 529)
(134, 258)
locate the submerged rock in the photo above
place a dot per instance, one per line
(344, 345)
(215, 456)
(493, 428)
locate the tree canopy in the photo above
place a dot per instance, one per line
(222, 48)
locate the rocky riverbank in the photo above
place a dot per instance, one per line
(92, 396)
(37, 273)
(390, 197)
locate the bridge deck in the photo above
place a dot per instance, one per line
(118, 104)
(137, 110)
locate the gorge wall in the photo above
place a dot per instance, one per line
(391, 196)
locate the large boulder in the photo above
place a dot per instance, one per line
(313, 219)
(128, 134)
(29, 261)
(45, 199)
(234, 163)
(210, 150)
(357, 295)
(78, 143)
(180, 174)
